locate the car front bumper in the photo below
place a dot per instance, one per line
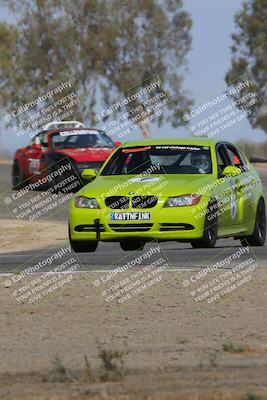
(179, 223)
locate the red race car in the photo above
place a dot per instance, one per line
(83, 147)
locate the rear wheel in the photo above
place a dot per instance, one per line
(209, 237)
(259, 234)
(18, 178)
(132, 245)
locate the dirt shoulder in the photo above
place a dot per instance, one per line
(261, 166)
(21, 235)
(5, 162)
(172, 347)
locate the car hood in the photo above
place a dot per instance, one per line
(87, 154)
(167, 185)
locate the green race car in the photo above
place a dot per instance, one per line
(187, 190)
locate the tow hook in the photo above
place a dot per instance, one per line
(97, 228)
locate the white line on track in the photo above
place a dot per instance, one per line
(86, 271)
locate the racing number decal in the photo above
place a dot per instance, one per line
(234, 207)
(233, 201)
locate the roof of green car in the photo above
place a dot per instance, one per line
(175, 141)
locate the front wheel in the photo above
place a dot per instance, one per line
(209, 237)
(18, 179)
(60, 182)
(132, 245)
(259, 234)
(83, 246)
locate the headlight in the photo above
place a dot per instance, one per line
(86, 202)
(181, 201)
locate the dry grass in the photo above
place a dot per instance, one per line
(230, 347)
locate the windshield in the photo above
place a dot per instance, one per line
(168, 159)
(76, 139)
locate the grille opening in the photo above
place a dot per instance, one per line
(175, 227)
(144, 201)
(117, 202)
(130, 227)
(89, 228)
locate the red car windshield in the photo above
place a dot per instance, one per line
(158, 159)
(76, 139)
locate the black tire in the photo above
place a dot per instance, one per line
(83, 246)
(132, 245)
(210, 229)
(259, 234)
(18, 178)
(88, 246)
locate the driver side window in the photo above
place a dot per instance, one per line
(222, 160)
(235, 157)
(41, 139)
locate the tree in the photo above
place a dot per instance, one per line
(250, 58)
(8, 40)
(105, 46)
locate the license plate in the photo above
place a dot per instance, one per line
(130, 216)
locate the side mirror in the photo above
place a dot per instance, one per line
(89, 174)
(37, 146)
(231, 171)
(118, 143)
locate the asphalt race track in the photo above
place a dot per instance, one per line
(108, 256)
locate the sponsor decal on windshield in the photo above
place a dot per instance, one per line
(179, 148)
(78, 132)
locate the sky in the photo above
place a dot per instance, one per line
(208, 62)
